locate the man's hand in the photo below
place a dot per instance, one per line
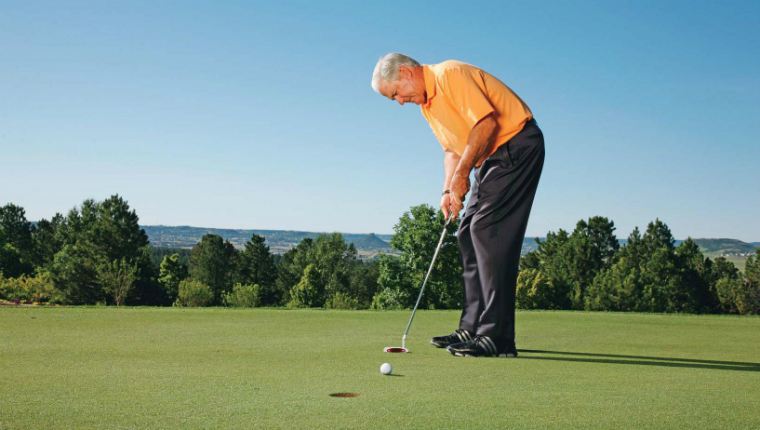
(446, 205)
(460, 186)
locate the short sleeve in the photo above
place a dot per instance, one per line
(466, 91)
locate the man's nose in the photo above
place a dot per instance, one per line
(400, 100)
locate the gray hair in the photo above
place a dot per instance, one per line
(387, 68)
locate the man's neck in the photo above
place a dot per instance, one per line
(419, 78)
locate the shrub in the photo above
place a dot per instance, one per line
(534, 291)
(343, 301)
(193, 293)
(37, 288)
(243, 296)
(389, 299)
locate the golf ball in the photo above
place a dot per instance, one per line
(386, 369)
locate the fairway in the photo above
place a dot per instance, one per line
(127, 368)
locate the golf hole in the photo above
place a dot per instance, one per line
(395, 349)
(345, 395)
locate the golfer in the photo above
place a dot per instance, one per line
(482, 125)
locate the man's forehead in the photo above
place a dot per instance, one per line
(385, 88)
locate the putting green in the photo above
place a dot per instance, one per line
(265, 368)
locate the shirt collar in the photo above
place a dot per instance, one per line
(429, 83)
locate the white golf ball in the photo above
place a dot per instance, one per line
(386, 369)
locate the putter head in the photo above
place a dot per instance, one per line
(395, 349)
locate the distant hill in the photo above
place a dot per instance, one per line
(279, 241)
(371, 242)
(368, 245)
(725, 246)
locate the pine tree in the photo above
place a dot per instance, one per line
(18, 233)
(212, 263)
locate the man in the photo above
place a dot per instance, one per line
(482, 125)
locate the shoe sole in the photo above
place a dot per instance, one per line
(502, 355)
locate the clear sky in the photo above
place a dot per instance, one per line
(260, 115)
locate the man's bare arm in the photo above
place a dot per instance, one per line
(477, 144)
(450, 163)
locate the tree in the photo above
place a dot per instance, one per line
(310, 290)
(664, 288)
(556, 263)
(117, 279)
(621, 287)
(157, 254)
(48, 238)
(334, 260)
(212, 263)
(18, 233)
(737, 294)
(416, 237)
(99, 233)
(364, 283)
(172, 272)
(616, 289)
(748, 299)
(256, 267)
(393, 284)
(118, 235)
(11, 265)
(570, 262)
(531, 260)
(652, 275)
(75, 273)
(752, 269)
(723, 278)
(291, 268)
(696, 292)
(592, 249)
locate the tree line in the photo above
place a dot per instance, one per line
(98, 254)
(588, 269)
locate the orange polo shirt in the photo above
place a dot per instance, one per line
(460, 95)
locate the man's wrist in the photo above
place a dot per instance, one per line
(445, 192)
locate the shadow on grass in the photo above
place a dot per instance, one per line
(582, 357)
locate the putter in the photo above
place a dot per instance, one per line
(402, 348)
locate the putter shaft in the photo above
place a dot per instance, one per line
(430, 270)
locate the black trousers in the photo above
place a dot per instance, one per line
(492, 230)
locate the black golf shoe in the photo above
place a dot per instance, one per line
(456, 337)
(483, 346)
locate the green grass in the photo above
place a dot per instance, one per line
(130, 368)
(739, 262)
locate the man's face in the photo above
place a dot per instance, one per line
(406, 89)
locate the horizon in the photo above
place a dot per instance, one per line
(527, 237)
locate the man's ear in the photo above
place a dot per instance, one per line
(404, 71)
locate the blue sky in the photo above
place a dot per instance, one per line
(260, 115)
